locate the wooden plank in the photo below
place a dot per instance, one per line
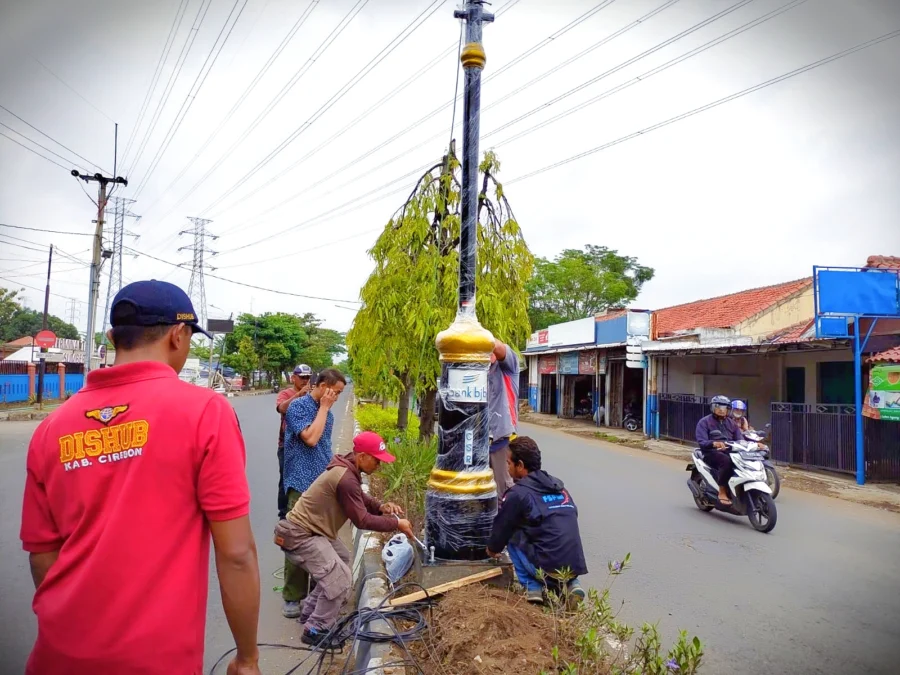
(449, 586)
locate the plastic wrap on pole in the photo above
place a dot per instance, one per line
(461, 501)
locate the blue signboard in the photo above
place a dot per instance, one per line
(568, 363)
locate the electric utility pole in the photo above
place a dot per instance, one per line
(197, 285)
(42, 362)
(461, 501)
(98, 256)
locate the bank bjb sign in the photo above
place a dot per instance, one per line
(467, 386)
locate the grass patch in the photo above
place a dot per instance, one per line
(383, 421)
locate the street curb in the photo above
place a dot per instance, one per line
(24, 415)
(369, 581)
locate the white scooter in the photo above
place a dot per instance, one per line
(751, 496)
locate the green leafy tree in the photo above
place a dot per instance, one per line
(411, 295)
(577, 284)
(9, 305)
(27, 322)
(244, 359)
(282, 340)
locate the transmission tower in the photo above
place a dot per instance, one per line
(121, 211)
(197, 285)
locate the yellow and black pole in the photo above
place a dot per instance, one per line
(461, 500)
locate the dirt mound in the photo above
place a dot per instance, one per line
(479, 630)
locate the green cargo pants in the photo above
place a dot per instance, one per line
(296, 579)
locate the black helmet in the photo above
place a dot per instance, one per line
(719, 400)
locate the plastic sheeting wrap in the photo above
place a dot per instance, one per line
(398, 557)
(461, 501)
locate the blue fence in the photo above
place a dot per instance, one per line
(13, 388)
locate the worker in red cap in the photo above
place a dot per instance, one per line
(309, 534)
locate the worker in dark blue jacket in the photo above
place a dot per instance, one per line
(538, 523)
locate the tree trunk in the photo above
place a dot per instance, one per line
(403, 405)
(426, 415)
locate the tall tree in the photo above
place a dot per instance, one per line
(245, 359)
(9, 305)
(411, 295)
(27, 322)
(577, 284)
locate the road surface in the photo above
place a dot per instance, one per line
(818, 595)
(259, 423)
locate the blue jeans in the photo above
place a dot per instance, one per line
(525, 571)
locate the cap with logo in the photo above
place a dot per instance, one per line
(154, 303)
(303, 370)
(370, 443)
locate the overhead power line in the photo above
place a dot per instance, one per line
(163, 57)
(505, 8)
(709, 106)
(337, 96)
(643, 77)
(194, 91)
(243, 97)
(72, 89)
(241, 283)
(67, 168)
(85, 159)
(173, 77)
(316, 55)
(39, 229)
(454, 46)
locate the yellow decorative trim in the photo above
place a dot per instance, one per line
(462, 482)
(464, 475)
(473, 56)
(481, 488)
(465, 341)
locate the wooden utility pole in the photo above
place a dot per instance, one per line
(98, 256)
(43, 362)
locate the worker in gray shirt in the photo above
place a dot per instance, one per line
(503, 410)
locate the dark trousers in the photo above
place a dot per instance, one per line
(282, 495)
(720, 463)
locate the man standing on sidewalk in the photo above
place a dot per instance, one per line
(299, 387)
(124, 484)
(503, 411)
(307, 451)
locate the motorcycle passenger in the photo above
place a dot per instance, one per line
(739, 415)
(715, 453)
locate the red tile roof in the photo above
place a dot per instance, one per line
(888, 356)
(799, 332)
(885, 262)
(725, 311)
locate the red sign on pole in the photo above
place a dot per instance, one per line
(45, 339)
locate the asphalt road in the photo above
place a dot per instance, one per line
(259, 423)
(817, 595)
(820, 594)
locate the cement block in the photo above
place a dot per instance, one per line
(443, 572)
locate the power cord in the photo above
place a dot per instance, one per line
(352, 629)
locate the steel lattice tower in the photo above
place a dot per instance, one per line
(197, 285)
(121, 211)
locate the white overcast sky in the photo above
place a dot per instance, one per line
(752, 192)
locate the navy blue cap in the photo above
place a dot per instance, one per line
(156, 303)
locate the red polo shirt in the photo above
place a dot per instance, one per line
(123, 480)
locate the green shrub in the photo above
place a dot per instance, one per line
(406, 480)
(383, 421)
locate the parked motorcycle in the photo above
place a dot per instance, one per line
(632, 422)
(772, 478)
(751, 495)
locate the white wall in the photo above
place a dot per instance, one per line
(809, 361)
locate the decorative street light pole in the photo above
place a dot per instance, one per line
(461, 500)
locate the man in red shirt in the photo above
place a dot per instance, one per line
(299, 387)
(125, 482)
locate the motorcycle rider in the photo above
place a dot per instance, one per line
(715, 453)
(739, 415)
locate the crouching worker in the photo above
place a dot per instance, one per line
(309, 534)
(538, 523)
